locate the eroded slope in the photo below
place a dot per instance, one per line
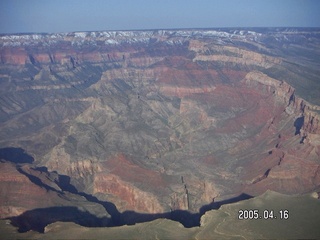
(302, 223)
(159, 121)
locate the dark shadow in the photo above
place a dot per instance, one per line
(292, 98)
(38, 219)
(186, 218)
(36, 180)
(41, 169)
(302, 139)
(15, 155)
(32, 60)
(217, 205)
(298, 124)
(64, 183)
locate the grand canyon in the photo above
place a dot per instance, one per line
(118, 131)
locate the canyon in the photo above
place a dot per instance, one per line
(124, 127)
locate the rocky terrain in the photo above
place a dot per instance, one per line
(300, 223)
(131, 126)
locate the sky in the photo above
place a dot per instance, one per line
(25, 16)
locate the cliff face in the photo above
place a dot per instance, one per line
(231, 55)
(14, 187)
(295, 105)
(24, 188)
(289, 161)
(126, 195)
(163, 120)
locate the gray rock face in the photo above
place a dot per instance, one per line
(166, 120)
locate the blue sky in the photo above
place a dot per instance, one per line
(18, 16)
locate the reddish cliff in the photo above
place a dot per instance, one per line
(160, 120)
(19, 194)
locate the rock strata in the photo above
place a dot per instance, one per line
(158, 121)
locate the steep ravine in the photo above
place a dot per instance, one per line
(78, 207)
(157, 123)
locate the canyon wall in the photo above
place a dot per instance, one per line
(158, 121)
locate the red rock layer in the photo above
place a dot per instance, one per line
(18, 194)
(118, 178)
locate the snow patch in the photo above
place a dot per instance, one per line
(111, 42)
(80, 34)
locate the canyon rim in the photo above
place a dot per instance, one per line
(126, 127)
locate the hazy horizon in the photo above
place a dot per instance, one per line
(98, 15)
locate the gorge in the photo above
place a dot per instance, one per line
(123, 127)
